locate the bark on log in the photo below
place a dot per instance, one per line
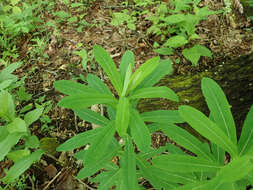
(235, 78)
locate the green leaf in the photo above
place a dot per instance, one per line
(138, 127)
(100, 145)
(218, 153)
(32, 142)
(7, 108)
(176, 41)
(164, 51)
(127, 79)
(106, 62)
(72, 88)
(5, 84)
(162, 116)
(17, 126)
(207, 128)
(174, 19)
(80, 139)
(3, 133)
(21, 166)
(96, 83)
(85, 100)
(183, 138)
(128, 166)
(122, 116)
(184, 164)
(219, 107)
(91, 116)
(193, 54)
(7, 143)
(82, 53)
(143, 71)
(126, 60)
(17, 155)
(236, 170)
(164, 68)
(246, 139)
(5, 74)
(155, 92)
(33, 116)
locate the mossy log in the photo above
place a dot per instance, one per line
(234, 77)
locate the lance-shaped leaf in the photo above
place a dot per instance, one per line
(95, 83)
(155, 92)
(139, 131)
(184, 164)
(5, 74)
(72, 88)
(106, 62)
(246, 139)
(7, 143)
(218, 153)
(21, 166)
(164, 68)
(91, 116)
(162, 116)
(128, 165)
(182, 137)
(122, 116)
(80, 140)
(100, 145)
(143, 71)
(93, 166)
(236, 170)
(219, 107)
(207, 128)
(85, 100)
(33, 116)
(126, 60)
(127, 79)
(7, 108)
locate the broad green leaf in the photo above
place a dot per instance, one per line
(21, 166)
(3, 133)
(85, 100)
(186, 140)
(91, 116)
(203, 185)
(164, 68)
(246, 139)
(143, 71)
(95, 83)
(32, 142)
(174, 19)
(126, 60)
(128, 165)
(106, 62)
(94, 166)
(155, 92)
(72, 88)
(122, 116)
(219, 107)
(17, 126)
(236, 170)
(100, 145)
(184, 164)
(162, 116)
(16, 10)
(7, 143)
(207, 128)
(176, 41)
(7, 106)
(33, 116)
(139, 131)
(80, 139)
(193, 54)
(5, 84)
(164, 51)
(18, 155)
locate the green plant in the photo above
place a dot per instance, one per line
(226, 163)
(124, 119)
(13, 130)
(120, 18)
(178, 22)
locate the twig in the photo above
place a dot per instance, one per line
(50, 182)
(90, 188)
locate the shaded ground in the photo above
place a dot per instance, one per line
(226, 36)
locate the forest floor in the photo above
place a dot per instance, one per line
(228, 37)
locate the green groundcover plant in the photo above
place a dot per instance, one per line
(220, 163)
